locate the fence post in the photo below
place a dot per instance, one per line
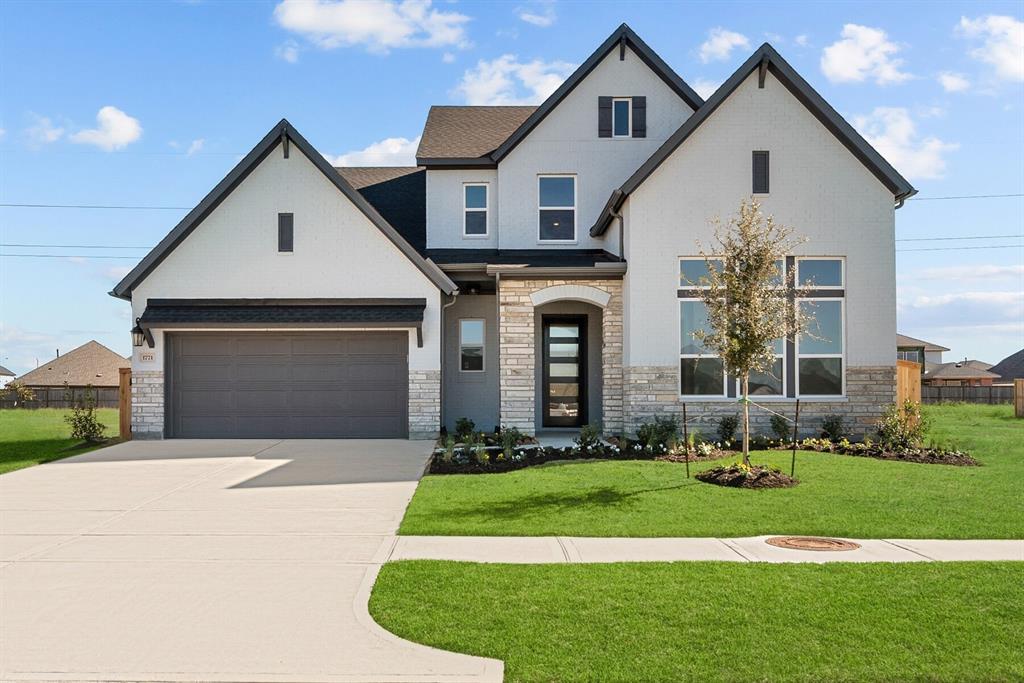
(124, 403)
(796, 424)
(1018, 397)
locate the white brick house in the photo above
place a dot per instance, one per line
(528, 272)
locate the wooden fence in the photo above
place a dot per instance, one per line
(1018, 397)
(58, 397)
(124, 403)
(908, 381)
(948, 394)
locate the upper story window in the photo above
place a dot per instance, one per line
(471, 345)
(557, 208)
(285, 232)
(760, 172)
(622, 114)
(474, 210)
(820, 273)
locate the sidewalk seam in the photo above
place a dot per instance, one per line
(909, 550)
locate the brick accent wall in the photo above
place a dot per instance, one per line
(652, 391)
(424, 404)
(517, 343)
(147, 404)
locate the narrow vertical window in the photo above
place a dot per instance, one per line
(760, 173)
(557, 208)
(471, 345)
(622, 117)
(285, 232)
(475, 210)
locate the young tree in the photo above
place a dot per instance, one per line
(748, 295)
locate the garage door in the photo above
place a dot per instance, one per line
(288, 385)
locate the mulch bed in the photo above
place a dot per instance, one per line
(757, 477)
(717, 454)
(928, 456)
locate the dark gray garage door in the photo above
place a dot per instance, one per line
(288, 385)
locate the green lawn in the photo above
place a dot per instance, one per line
(705, 621)
(838, 495)
(31, 437)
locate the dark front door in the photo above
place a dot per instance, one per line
(565, 371)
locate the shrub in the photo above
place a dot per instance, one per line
(902, 427)
(727, 426)
(664, 431)
(464, 429)
(449, 449)
(17, 392)
(832, 427)
(83, 421)
(510, 438)
(481, 455)
(705, 449)
(780, 428)
(589, 438)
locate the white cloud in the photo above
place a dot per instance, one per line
(967, 308)
(43, 131)
(506, 80)
(863, 53)
(115, 130)
(3, 132)
(801, 40)
(892, 131)
(720, 44)
(448, 57)
(379, 25)
(705, 87)
(974, 272)
(116, 273)
(195, 147)
(540, 13)
(288, 51)
(386, 152)
(953, 82)
(1002, 43)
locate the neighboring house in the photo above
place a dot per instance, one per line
(918, 350)
(964, 373)
(90, 365)
(6, 377)
(532, 271)
(1009, 368)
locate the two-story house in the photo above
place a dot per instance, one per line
(532, 270)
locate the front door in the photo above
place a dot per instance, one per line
(565, 371)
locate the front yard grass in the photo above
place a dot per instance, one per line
(705, 621)
(31, 437)
(838, 495)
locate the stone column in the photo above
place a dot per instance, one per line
(517, 354)
(147, 404)
(611, 358)
(424, 404)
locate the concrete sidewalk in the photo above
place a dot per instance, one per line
(563, 549)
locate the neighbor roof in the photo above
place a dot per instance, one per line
(91, 363)
(960, 370)
(1010, 368)
(484, 148)
(467, 132)
(281, 134)
(903, 340)
(765, 59)
(4, 372)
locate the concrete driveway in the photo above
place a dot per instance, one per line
(210, 560)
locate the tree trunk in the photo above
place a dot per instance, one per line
(746, 421)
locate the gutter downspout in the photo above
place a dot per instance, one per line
(622, 234)
(444, 334)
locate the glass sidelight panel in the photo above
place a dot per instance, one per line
(564, 371)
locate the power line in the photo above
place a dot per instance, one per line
(936, 239)
(994, 246)
(75, 246)
(964, 196)
(86, 256)
(96, 206)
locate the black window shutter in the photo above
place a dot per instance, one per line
(285, 232)
(639, 116)
(760, 172)
(604, 117)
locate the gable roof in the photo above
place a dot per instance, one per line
(1010, 368)
(4, 372)
(467, 132)
(904, 340)
(766, 58)
(281, 134)
(91, 363)
(399, 193)
(958, 370)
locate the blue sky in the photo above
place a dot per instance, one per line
(151, 103)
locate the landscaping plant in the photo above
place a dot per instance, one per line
(510, 438)
(464, 429)
(781, 429)
(589, 438)
(662, 433)
(84, 423)
(748, 297)
(17, 392)
(902, 427)
(727, 426)
(832, 427)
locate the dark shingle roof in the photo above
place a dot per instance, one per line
(904, 340)
(4, 372)
(91, 363)
(399, 193)
(281, 311)
(958, 370)
(564, 258)
(468, 132)
(1010, 368)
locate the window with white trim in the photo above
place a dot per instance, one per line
(471, 345)
(556, 199)
(622, 117)
(819, 351)
(474, 202)
(701, 372)
(819, 273)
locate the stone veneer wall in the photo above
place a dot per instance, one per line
(653, 391)
(517, 362)
(424, 404)
(147, 404)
